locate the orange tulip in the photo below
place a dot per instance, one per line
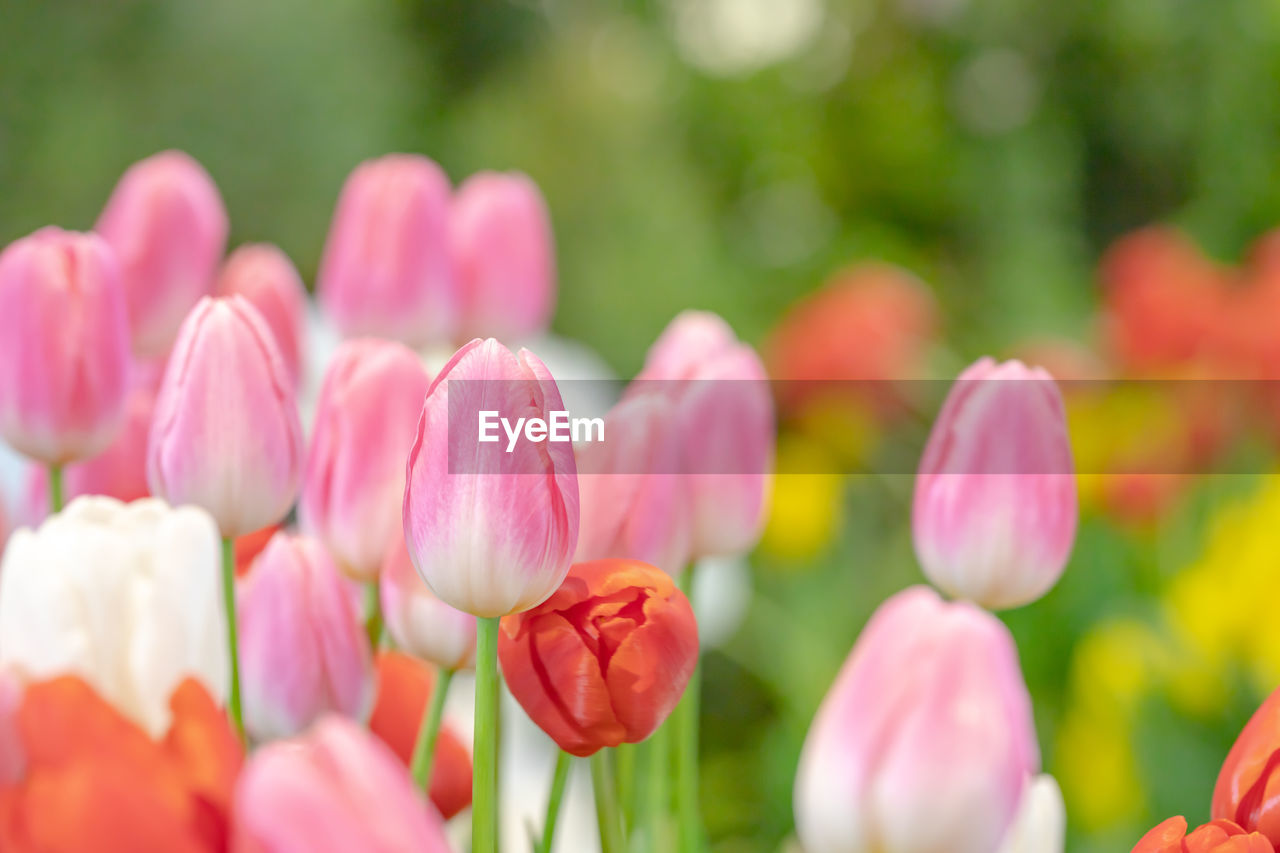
(605, 659)
(1220, 836)
(95, 781)
(1248, 787)
(404, 689)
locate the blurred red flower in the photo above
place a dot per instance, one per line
(1220, 836)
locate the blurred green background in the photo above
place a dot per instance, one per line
(729, 155)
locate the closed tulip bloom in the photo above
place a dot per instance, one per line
(1248, 786)
(501, 236)
(64, 346)
(353, 485)
(265, 276)
(1040, 825)
(124, 595)
(491, 532)
(605, 659)
(226, 434)
(337, 788)
(1219, 836)
(421, 624)
(387, 269)
(167, 223)
(726, 418)
(925, 742)
(995, 501)
(303, 652)
(630, 489)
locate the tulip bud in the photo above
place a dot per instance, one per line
(64, 346)
(925, 741)
(303, 652)
(226, 434)
(421, 624)
(168, 225)
(336, 788)
(631, 493)
(1248, 786)
(1220, 836)
(501, 237)
(1041, 823)
(265, 276)
(490, 531)
(995, 502)
(605, 659)
(125, 595)
(726, 418)
(387, 269)
(353, 485)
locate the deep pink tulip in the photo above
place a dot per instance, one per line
(303, 651)
(167, 223)
(266, 277)
(387, 269)
(64, 346)
(632, 494)
(726, 418)
(226, 435)
(491, 532)
(502, 244)
(421, 624)
(335, 789)
(995, 502)
(353, 485)
(925, 742)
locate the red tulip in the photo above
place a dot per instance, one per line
(1220, 836)
(605, 659)
(1248, 788)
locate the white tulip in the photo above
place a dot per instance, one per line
(1041, 821)
(124, 595)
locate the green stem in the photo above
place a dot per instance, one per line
(656, 800)
(688, 819)
(233, 644)
(624, 769)
(424, 748)
(373, 614)
(484, 780)
(55, 488)
(558, 779)
(607, 814)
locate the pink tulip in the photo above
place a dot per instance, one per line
(631, 492)
(925, 742)
(64, 346)
(226, 435)
(335, 789)
(421, 624)
(168, 225)
(491, 532)
(353, 485)
(995, 501)
(303, 651)
(726, 419)
(387, 269)
(265, 276)
(502, 244)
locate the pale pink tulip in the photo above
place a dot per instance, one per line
(726, 420)
(167, 223)
(64, 346)
(491, 532)
(226, 435)
(502, 244)
(995, 502)
(303, 652)
(421, 624)
(335, 789)
(925, 742)
(631, 492)
(387, 269)
(353, 485)
(265, 276)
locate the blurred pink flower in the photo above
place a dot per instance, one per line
(265, 276)
(168, 225)
(64, 348)
(421, 624)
